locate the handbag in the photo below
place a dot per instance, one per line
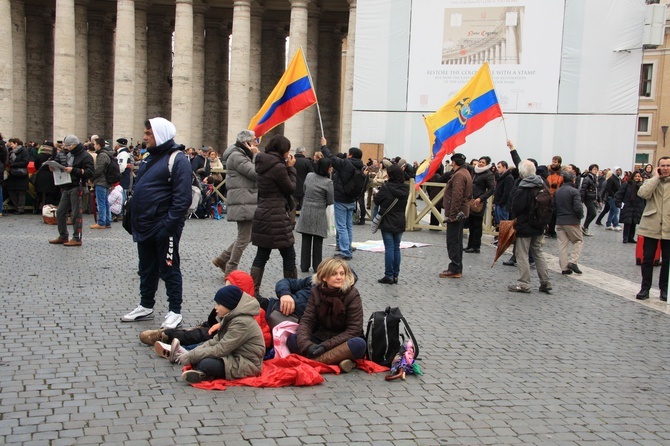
(378, 218)
(476, 206)
(330, 218)
(18, 172)
(126, 217)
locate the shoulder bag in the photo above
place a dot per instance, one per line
(378, 218)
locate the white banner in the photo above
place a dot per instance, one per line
(520, 39)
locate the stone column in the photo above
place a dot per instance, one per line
(212, 93)
(182, 71)
(19, 69)
(81, 75)
(198, 84)
(156, 75)
(273, 54)
(255, 68)
(6, 69)
(65, 63)
(97, 83)
(224, 82)
(328, 82)
(140, 70)
(294, 128)
(312, 130)
(348, 96)
(238, 91)
(124, 71)
(36, 64)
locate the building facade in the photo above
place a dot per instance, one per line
(104, 67)
(653, 140)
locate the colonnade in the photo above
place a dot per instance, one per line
(72, 66)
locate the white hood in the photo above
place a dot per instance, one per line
(163, 130)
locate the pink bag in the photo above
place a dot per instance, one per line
(280, 335)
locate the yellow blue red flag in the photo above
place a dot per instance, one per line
(468, 111)
(291, 95)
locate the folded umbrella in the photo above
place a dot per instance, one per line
(506, 236)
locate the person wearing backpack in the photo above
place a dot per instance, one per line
(349, 182)
(158, 208)
(530, 228)
(99, 179)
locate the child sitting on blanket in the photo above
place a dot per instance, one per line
(237, 349)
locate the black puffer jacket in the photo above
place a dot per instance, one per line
(272, 226)
(82, 166)
(633, 206)
(501, 195)
(521, 205)
(18, 158)
(394, 221)
(344, 169)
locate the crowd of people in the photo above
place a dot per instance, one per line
(264, 189)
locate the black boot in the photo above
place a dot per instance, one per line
(256, 273)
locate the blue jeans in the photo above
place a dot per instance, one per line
(344, 214)
(613, 216)
(502, 213)
(104, 211)
(391, 253)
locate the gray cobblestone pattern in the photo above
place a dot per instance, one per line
(584, 365)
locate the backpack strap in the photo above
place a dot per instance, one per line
(411, 335)
(173, 155)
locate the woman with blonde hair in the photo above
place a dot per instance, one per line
(331, 329)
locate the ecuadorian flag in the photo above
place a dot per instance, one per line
(468, 111)
(293, 94)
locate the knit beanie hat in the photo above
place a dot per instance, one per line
(228, 296)
(242, 280)
(71, 140)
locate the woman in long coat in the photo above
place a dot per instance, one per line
(272, 227)
(17, 185)
(633, 206)
(313, 223)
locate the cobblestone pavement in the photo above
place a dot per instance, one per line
(584, 365)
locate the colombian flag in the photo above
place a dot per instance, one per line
(293, 94)
(468, 111)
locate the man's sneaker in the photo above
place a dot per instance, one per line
(518, 289)
(586, 232)
(139, 314)
(172, 320)
(193, 376)
(609, 228)
(149, 337)
(574, 268)
(617, 228)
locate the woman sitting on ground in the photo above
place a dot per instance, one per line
(331, 329)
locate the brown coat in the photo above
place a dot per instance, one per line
(272, 226)
(329, 332)
(457, 194)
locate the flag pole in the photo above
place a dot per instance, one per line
(309, 73)
(502, 115)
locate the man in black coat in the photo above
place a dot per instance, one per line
(303, 166)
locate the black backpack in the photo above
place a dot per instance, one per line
(356, 185)
(539, 214)
(384, 336)
(112, 172)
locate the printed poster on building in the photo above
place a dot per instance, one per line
(520, 39)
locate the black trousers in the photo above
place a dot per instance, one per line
(311, 250)
(287, 254)
(159, 259)
(647, 269)
(475, 224)
(191, 336)
(591, 211)
(455, 246)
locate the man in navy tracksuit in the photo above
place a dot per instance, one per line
(158, 209)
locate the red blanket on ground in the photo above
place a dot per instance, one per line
(294, 370)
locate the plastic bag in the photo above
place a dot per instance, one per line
(330, 218)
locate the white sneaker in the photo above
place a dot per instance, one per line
(139, 314)
(172, 320)
(609, 228)
(618, 228)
